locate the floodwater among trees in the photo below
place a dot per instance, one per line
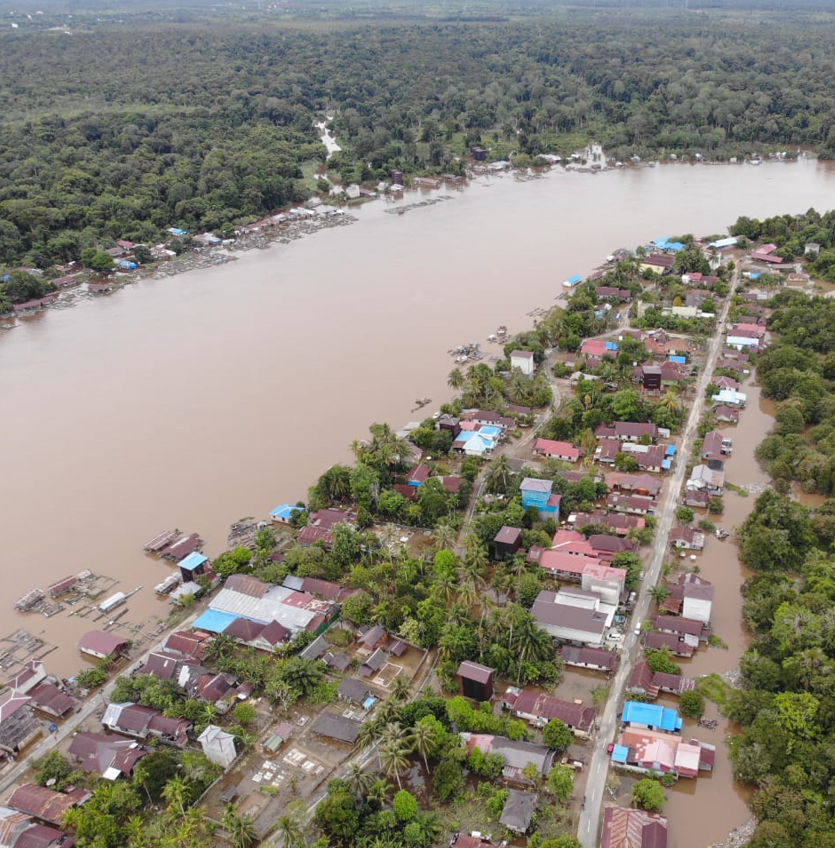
(196, 400)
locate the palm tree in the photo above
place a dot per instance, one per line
(670, 401)
(444, 536)
(444, 586)
(289, 828)
(302, 675)
(423, 741)
(135, 831)
(393, 757)
(531, 643)
(241, 829)
(392, 732)
(431, 827)
(659, 593)
(378, 792)
(400, 689)
(220, 648)
(367, 735)
(467, 593)
(337, 479)
(358, 779)
(476, 560)
(455, 380)
(175, 793)
(499, 476)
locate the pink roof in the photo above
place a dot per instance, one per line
(557, 561)
(604, 572)
(10, 703)
(594, 347)
(552, 448)
(758, 329)
(767, 248)
(562, 537)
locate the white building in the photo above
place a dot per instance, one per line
(218, 746)
(524, 361)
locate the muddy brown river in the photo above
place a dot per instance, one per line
(196, 400)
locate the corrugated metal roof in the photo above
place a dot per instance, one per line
(215, 621)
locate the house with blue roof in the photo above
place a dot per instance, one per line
(283, 513)
(572, 281)
(192, 565)
(651, 717)
(480, 442)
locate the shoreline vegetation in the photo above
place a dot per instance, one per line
(25, 290)
(124, 123)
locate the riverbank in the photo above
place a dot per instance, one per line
(307, 220)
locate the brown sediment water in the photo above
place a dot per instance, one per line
(195, 400)
(703, 811)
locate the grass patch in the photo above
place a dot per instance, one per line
(715, 689)
(737, 489)
(716, 642)
(310, 177)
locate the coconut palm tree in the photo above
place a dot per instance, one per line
(444, 536)
(367, 735)
(393, 757)
(241, 829)
(444, 586)
(476, 560)
(467, 593)
(499, 476)
(358, 779)
(400, 689)
(220, 648)
(456, 380)
(670, 401)
(422, 738)
(392, 732)
(175, 793)
(289, 827)
(378, 792)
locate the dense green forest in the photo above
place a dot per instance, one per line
(121, 125)
(786, 708)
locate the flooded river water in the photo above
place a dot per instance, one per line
(703, 811)
(195, 400)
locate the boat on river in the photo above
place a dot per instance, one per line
(30, 600)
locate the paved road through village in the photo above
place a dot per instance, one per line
(590, 814)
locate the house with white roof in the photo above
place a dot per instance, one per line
(730, 397)
(218, 746)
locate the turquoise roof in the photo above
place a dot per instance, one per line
(651, 715)
(620, 753)
(214, 621)
(193, 561)
(286, 511)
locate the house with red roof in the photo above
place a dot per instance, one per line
(550, 449)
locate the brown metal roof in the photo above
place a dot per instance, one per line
(45, 804)
(475, 671)
(247, 585)
(100, 642)
(244, 629)
(50, 699)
